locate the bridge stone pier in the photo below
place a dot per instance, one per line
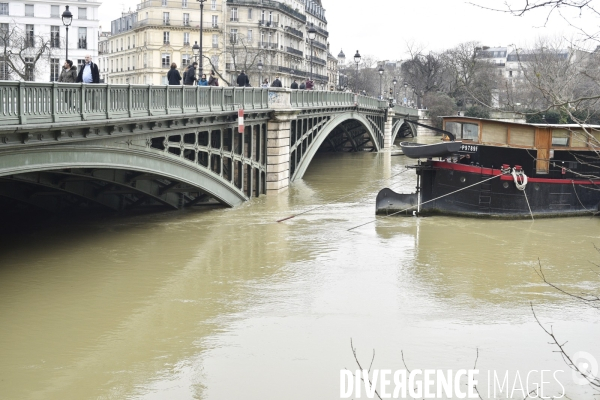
(66, 146)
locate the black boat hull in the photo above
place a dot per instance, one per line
(445, 190)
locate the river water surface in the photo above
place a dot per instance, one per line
(228, 304)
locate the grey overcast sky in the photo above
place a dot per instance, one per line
(383, 28)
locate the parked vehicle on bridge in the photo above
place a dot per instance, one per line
(506, 170)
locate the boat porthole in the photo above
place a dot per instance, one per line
(536, 186)
(463, 179)
(505, 185)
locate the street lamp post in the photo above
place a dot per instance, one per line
(405, 98)
(357, 58)
(67, 18)
(200, 61)
(312, 34)
(380, 70)
(196, 50)
(260, 67)
(395, 82)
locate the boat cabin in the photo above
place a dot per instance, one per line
(542, 142)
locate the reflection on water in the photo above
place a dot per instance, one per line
(229, 304)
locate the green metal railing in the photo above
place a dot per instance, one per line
(371, 103)
(405, 110)
(320, 98)
(29, 102)
(34, 103)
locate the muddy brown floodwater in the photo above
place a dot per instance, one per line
(227, 304)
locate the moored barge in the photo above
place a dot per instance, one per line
(506, 170)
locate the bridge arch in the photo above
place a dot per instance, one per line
(402, 124)
(136, 175)
(298, 168)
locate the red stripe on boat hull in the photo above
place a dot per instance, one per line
(492, 171)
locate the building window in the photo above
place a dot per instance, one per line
(166, 60)
(29, 10)
(166, 18)
(213, 5)
(184, 3)
(215, 62)
(249, 36)
(4, 35)
(234, 14)
(82, 13)
(3, 8)
(164, 3)
(80, 63)
(4, 72)
(262, 16)
(186, 19)
(249, 13)
(121, 44)
(186, 38)
(54, 11)
(54, 69)
(215, 41)
(166, 37)
(55, 37)
(29, 36)
(185, 60)
(29, 69)
(233, 36)
(215, 21)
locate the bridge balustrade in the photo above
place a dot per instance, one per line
(404, 110)
(29, 102)
(316, 98)
(370, 103)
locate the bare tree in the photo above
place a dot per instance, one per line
(241, 55)
(425, 72)
(469, 79)
(23, 52)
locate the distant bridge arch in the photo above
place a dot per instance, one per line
(403, 125)
(350, 127)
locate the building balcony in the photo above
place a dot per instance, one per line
(173, 23)
(293, 51)
(321, 31)
(267, 45)
(317, 60)
(317, 77)
(291, 71)
(234, 19)
(268, 24)
(319, 45)
(177, 4)
(275, 5)
(295, 32)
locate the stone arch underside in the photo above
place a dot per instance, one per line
(350, 132)
(60, 178)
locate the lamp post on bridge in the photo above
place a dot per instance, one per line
(357, 58)
(380, 70)
(260, 67)
(196, 51)
(405, 98)
(394, 82)
(200, 61)
(67, 18)
(312, 34)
